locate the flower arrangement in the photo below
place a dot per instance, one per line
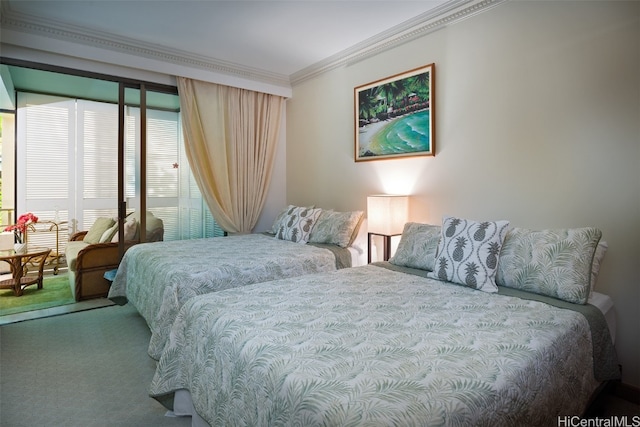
(20, 228)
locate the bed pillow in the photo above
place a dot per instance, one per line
(286, 211)
(278, 220)
(555, 263)
(468, 252)
(97, 230)
(336, 228)
(297, 224)
(601, 250)
(418, 246)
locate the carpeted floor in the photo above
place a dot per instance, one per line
(55, 292)
(89, 368)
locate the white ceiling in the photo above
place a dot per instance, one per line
(280, 39)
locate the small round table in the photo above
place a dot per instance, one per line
(18, 265)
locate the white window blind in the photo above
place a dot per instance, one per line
(46, 152)
(43, 153)
(68, 165)
(97, 147)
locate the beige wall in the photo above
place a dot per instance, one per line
(538, 122)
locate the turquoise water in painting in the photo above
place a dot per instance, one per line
(407, 134)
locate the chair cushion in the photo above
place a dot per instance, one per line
(71, 252)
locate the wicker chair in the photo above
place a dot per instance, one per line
(88, 262)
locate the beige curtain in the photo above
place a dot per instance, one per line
(230, 139)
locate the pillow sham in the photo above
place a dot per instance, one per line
(418, 246)
(337, 228)
(555, 263)
(297, 224)
(468, 252)
(601, 250)
(98, 228)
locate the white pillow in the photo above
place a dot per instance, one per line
(109, 233)
(601, 250)
(337, 228)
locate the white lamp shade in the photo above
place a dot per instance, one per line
(387, 214)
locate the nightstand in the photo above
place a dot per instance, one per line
(386, 248)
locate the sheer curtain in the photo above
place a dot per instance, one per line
(230, 139)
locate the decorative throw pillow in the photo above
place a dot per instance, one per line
(286, 211)
(296, 226)
(337, 228)
(555, 263)
(418, 246)
(109, 233)
(97, 230)
(130, 230)
(468, 252)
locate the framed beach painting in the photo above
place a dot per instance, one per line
(394, 117)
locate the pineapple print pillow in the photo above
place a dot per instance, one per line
(468, 252)
(297, 224)
(286, 211)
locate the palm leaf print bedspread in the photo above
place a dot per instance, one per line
(371, 346)
(157, 278)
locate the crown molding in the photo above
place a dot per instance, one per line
(446, 14)
(26, 23)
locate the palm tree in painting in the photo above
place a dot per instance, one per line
(395, 92)
(420, 84)
(366, 107)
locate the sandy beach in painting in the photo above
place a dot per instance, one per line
(366, 133)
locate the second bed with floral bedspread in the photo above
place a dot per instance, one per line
(158, 278)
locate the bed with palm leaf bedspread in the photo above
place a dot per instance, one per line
(157, 278)
(385, 344)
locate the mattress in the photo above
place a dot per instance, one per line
(370, 345)
(605, 304)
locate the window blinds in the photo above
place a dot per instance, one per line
(68, 163)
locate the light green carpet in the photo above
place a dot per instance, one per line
(55, 292)
(84, 369)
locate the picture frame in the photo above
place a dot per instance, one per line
(395, 116)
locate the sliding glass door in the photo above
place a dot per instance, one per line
(168, 185)
(68, 160)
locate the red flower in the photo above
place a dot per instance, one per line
(20, 227)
